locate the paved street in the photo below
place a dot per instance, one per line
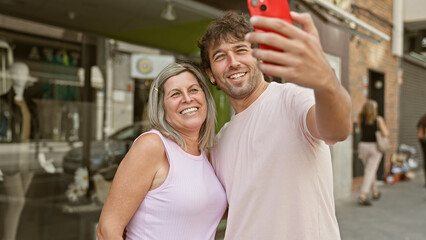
(399, 215)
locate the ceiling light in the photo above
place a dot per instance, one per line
(71, 15)
(169, 12)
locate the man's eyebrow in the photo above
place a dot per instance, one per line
(233, 47)
(241, 46)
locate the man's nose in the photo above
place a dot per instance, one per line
(233, 61)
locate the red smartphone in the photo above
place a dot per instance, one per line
(269, 8)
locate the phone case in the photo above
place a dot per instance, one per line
(269, 8)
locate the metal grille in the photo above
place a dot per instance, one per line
(412, 104)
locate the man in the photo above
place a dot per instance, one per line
(271, 157)
(421, 128)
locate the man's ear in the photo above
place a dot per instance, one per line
(211, 78)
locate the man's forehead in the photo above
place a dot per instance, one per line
(226, 41)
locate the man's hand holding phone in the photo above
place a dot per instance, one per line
(299, 57)
(269, 8)
(301, 60)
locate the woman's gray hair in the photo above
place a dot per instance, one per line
(156, 115)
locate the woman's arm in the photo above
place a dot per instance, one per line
(129, 186)
(421, 132)
(382, 126)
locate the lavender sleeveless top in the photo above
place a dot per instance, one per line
(188, 205)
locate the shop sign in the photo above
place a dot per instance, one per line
(145, 66)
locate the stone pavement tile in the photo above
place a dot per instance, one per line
(400, 214)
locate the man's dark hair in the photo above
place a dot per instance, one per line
(231, 26)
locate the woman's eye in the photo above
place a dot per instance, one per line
(194, 90)
(175, 94)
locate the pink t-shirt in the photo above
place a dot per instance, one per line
(277, 176)
(188, 205)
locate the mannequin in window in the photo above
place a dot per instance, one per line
(17, 182)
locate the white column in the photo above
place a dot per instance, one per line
(398, 28)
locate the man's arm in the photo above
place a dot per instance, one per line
(303, 62)
(329, 118)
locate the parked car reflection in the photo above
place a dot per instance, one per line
(105, 153)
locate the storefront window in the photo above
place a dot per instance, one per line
(45, 129)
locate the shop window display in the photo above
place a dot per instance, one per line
(44, 182)
(39, 122)
(17, 174)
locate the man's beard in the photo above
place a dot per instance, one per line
(239, 92)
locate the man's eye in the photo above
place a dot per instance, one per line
(219, 57)
(242, 50)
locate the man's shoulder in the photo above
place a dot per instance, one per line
(290, 93)
(221, 132)
(287, 88)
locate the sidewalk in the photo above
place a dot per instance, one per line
(400, 214)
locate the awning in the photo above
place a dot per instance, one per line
(347, 22)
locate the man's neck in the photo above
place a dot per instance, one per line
(242, 104)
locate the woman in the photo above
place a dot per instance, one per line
(165, 187)
(369, 123)
(421, 130)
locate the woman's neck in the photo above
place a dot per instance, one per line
(191, 144)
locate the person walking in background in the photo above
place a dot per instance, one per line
(369, 122)
(271, 157)
(421, 129)
(165, 187)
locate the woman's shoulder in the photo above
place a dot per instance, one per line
(147, 152)
(380, 119)
(152, 138)
(150, 142)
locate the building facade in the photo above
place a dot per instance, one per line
(374, 75)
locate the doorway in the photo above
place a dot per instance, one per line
(376, 91)
(140, 100)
